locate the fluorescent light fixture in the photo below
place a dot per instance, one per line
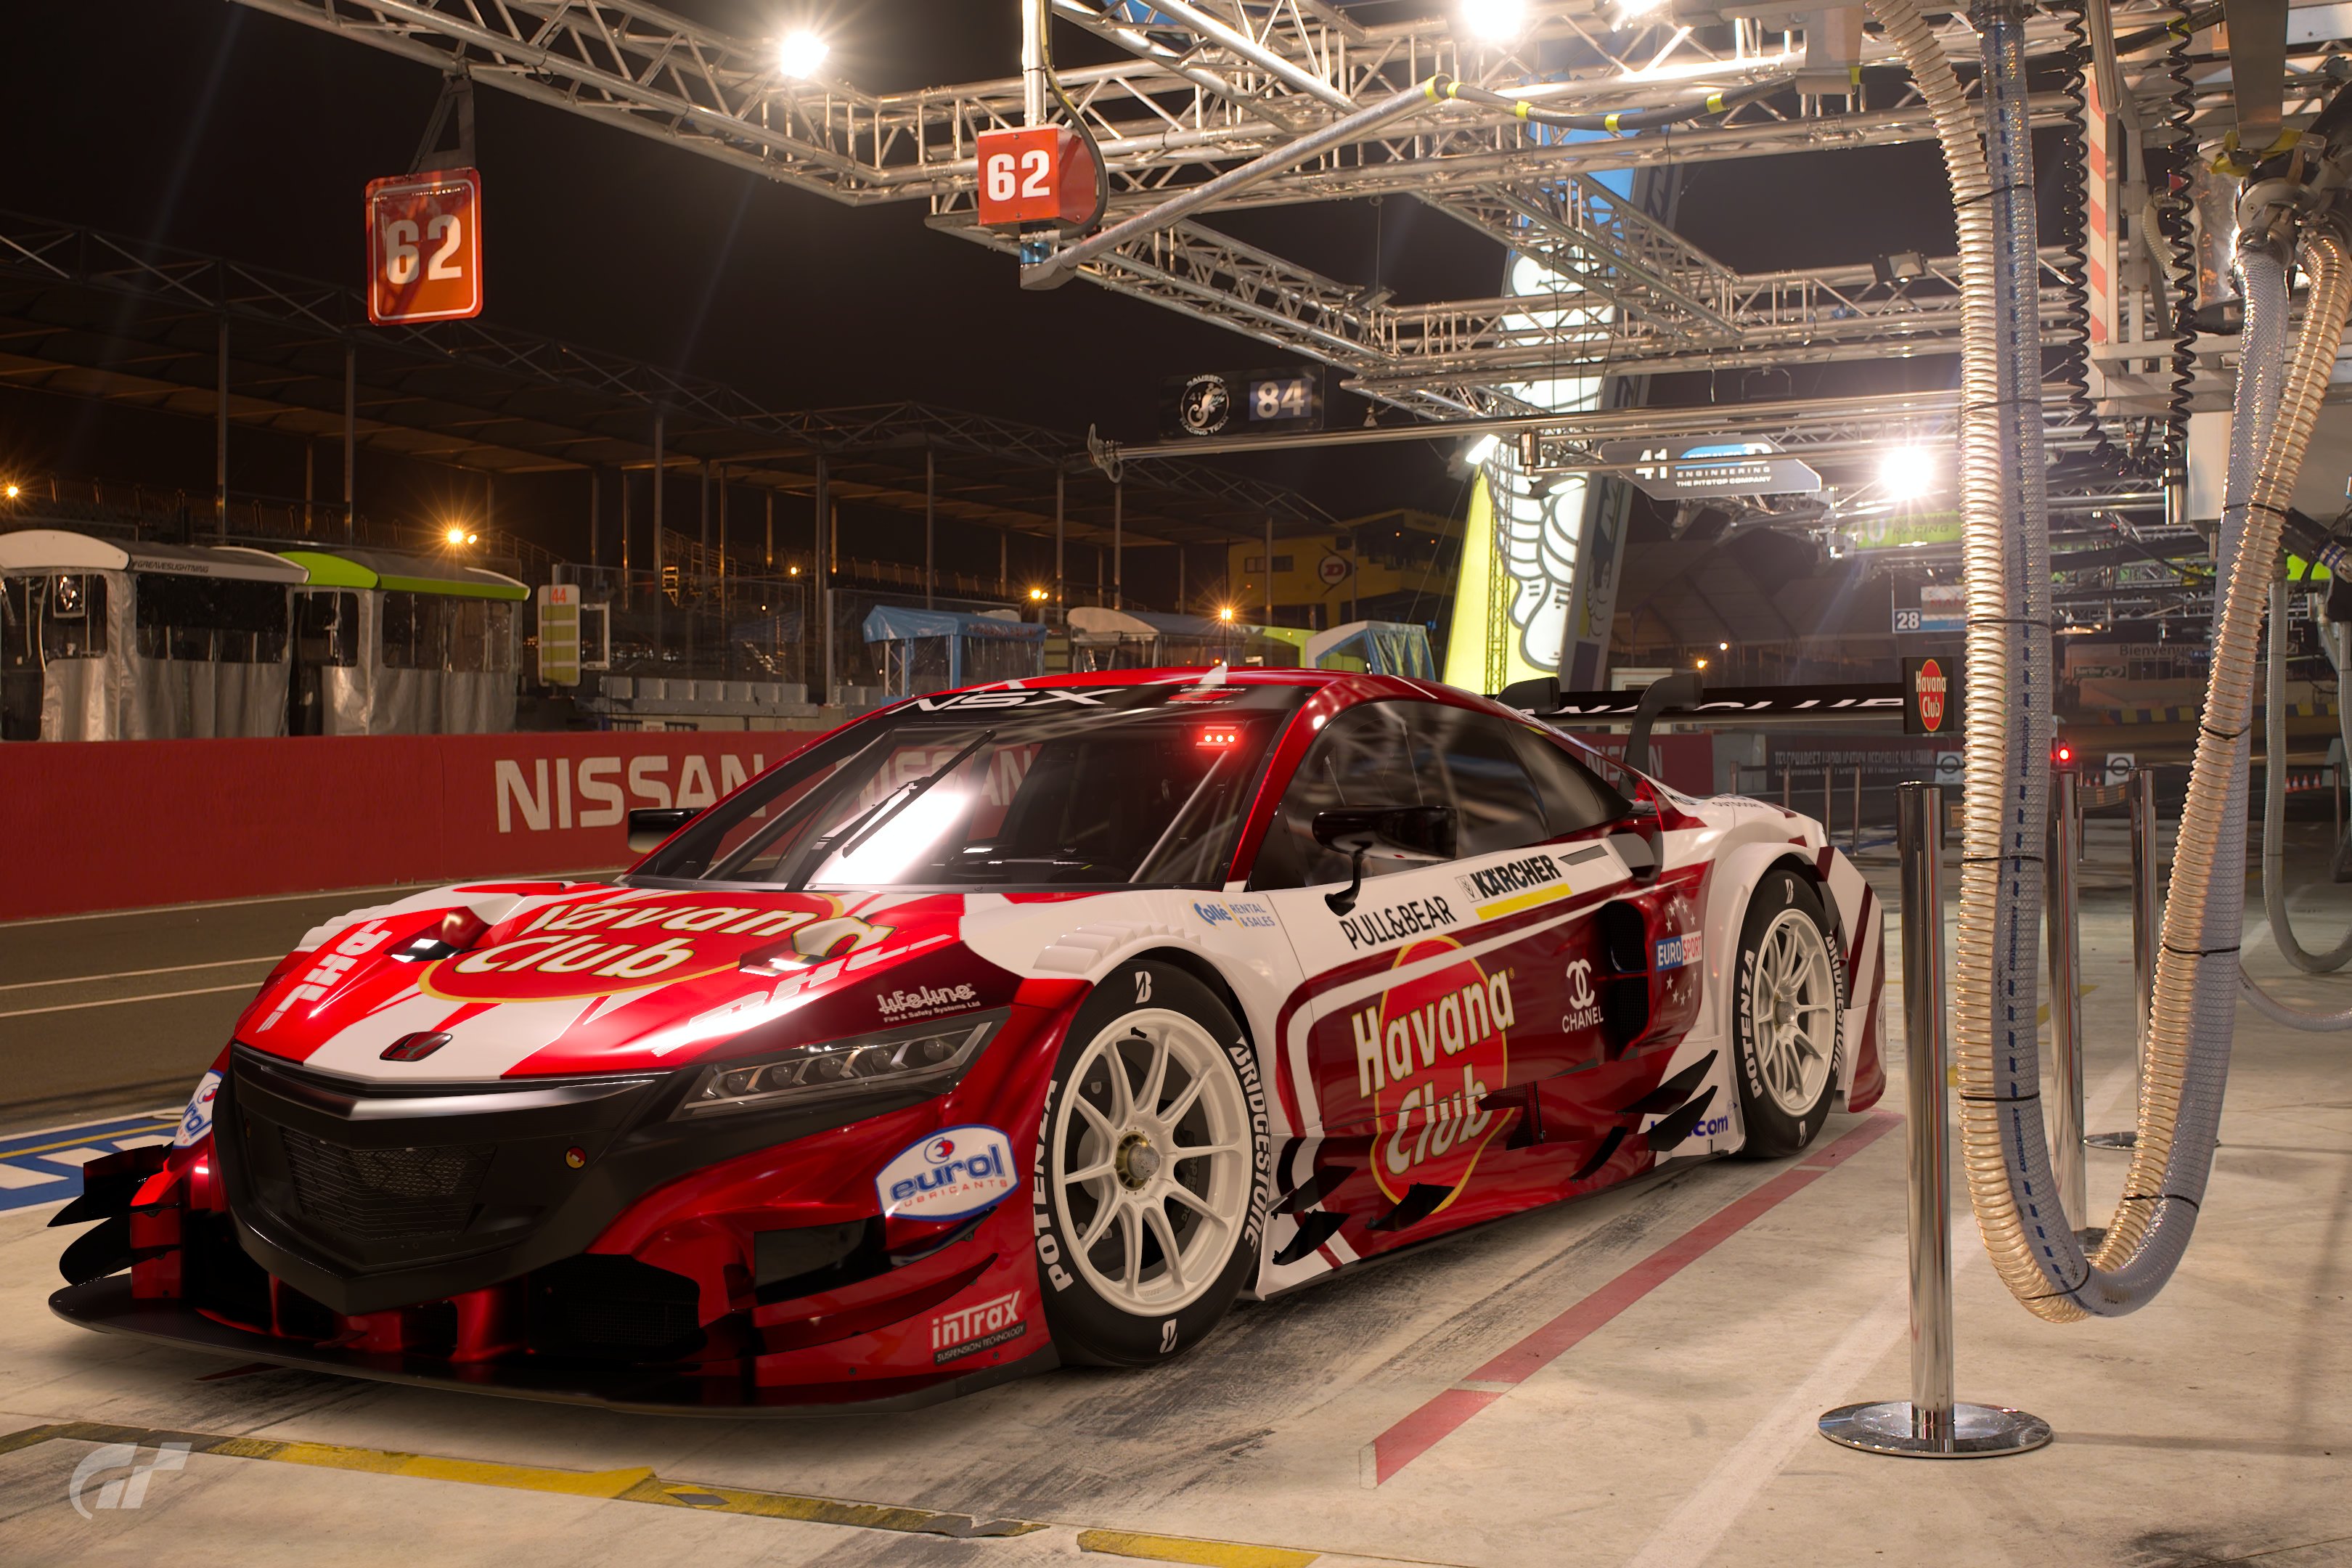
(1907, 473)
(1494, 21)
(802, 54)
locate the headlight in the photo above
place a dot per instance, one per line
(930, 1055)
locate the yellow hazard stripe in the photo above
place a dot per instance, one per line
(1176, 1548)
(642, 1485)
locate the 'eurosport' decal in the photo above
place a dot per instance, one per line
(952, 1174)
(1394, 922)
(1674, 952)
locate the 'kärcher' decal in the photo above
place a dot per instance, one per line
(1427, 1053)
(1514, 885)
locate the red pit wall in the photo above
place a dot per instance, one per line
(116, 825)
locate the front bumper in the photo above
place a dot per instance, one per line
(108, 1305)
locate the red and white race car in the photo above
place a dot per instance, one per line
(999, 1029)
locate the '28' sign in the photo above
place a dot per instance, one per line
(425, 246)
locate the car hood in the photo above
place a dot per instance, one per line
(563, 978)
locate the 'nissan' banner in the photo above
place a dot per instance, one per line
(113, 825)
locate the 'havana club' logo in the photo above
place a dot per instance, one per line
(1933, 684)
(1427, 1052)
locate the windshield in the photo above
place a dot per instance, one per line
(1056, 786)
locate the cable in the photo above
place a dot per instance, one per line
(1078, 124)
(2274, 808)
(1715, 103)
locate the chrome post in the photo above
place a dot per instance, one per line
(2147, 926)
(1931, 1424)
(2061, 922)
(1853, 828)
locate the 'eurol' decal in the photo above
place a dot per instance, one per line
(951, 1174)
(1674, 952)
(197, 1120)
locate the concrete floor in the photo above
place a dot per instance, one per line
(2210, 1428)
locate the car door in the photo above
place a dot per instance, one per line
(1443, 985)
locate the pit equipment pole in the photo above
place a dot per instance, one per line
(1930, 1425)
(2147, 926)
(2064, 911)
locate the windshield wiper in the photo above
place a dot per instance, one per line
(858, 832)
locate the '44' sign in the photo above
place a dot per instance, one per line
(425, 246)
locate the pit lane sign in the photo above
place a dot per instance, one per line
(1712, 466)
(425, 246)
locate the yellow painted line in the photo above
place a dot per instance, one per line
(638, 1485)
(1176, 1548)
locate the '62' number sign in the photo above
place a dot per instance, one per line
(425, 246)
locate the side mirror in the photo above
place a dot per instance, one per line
(651, 826)
(1427, 831)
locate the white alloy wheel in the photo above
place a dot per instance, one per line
(1151, 1166)
(1795, 1011)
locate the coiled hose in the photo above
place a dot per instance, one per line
(2072, 367)
(2172, 209)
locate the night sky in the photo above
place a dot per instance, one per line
(202, 125)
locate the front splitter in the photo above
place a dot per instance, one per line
(108, 1305)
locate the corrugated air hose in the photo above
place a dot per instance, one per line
(2005, 549)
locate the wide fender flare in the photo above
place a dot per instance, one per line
(1090, 952)
(1853, 913)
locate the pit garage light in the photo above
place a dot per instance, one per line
(1907, 473)
(16, 491)
(1494, 21)
(1478, 451)
(1225, 613)
(1036, 593)
(802, 54)
(458, 536)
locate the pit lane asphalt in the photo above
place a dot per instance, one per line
(1679, 1431)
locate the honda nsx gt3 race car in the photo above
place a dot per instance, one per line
(999, 1029)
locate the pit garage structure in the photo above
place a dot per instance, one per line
(92, 314)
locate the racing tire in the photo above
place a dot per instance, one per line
(1153, 1170)
(1788, 1015)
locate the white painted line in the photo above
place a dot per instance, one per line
(1691, 1533)
(14, 1178)
(135, 973)
(218, 903)
(74, 1156)
(128, 1143)
(599, 873)
(121, 1001)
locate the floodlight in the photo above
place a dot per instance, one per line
(454, 535)
(1494, 21)
(801, 54)
(1907, 473)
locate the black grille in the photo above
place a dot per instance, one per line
(608, 1308)
(385, 1195)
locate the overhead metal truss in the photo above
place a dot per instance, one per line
(1208, 83)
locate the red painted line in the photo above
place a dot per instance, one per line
(1422, 1431)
